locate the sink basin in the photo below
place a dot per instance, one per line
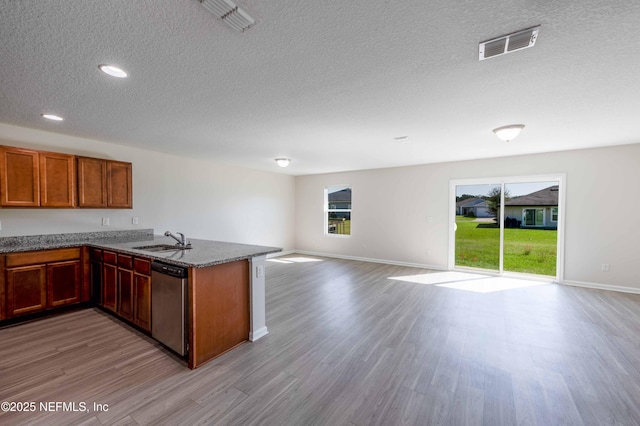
(161, 247)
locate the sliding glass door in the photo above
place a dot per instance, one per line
(531, 227)
(507, 225)
(477, 236)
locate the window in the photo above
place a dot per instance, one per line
(554, 214)
(533, 217)
(337, 210)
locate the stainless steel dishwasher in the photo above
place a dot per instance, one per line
(169, 305)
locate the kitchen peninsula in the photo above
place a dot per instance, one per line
(225, 284)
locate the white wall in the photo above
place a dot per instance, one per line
(199, 198)
(401, 214)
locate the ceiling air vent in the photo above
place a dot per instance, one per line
(508, 43)
(230, 13)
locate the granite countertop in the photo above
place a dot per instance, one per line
(202, 254)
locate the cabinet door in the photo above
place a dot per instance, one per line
(142, 301)
(26, 289)
(19, 182)
(119, 185)
(57, 180)
(125, 293)
(63, 283)
(95, 273)
(3, 288)
(92, 182)
(109, 286)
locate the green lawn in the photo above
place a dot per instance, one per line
(526, 250)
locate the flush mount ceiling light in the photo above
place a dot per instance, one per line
(508, 43)
(52, 117)
(230, 13)
(508, 133)
(283, 162)
(113, 71)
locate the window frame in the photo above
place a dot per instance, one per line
(327, 210)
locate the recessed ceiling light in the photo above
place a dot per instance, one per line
(52, 117)
(113, 71)
(283, 162)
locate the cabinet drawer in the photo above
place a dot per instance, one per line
(142, 266)
(41, 257)
(109, 257)
(125, 261)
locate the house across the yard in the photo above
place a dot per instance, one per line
(476, 207)
(536, 210)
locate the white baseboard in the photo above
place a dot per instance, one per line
(372, 260)
(255, 335)
(599, 286)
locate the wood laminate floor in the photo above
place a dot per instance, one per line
(347, 345)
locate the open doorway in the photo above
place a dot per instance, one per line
(508, 225)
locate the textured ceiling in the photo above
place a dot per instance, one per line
(328, 84)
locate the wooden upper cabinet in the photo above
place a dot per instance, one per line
(92, 182)
(104, 183)
(30, 178)
(57, 180)
(19, 177)
(119, 185)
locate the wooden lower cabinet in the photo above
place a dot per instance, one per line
(142, 301)
(110, 287)
(125, 293)
(95, 277)
(126, 286)
(219, 310)
(63, 283)
(39, 280)
(26, 290)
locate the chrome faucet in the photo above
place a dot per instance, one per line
(182, 241)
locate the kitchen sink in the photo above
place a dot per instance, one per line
(162, 247)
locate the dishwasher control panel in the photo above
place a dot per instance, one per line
(172, 270)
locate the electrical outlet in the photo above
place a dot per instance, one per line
(259, 271)
(105, 221)
(134, 220)
(605, 267)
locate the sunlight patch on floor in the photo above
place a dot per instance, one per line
(294, 260)
(489, 285)
(469, 282)
(439, 277)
